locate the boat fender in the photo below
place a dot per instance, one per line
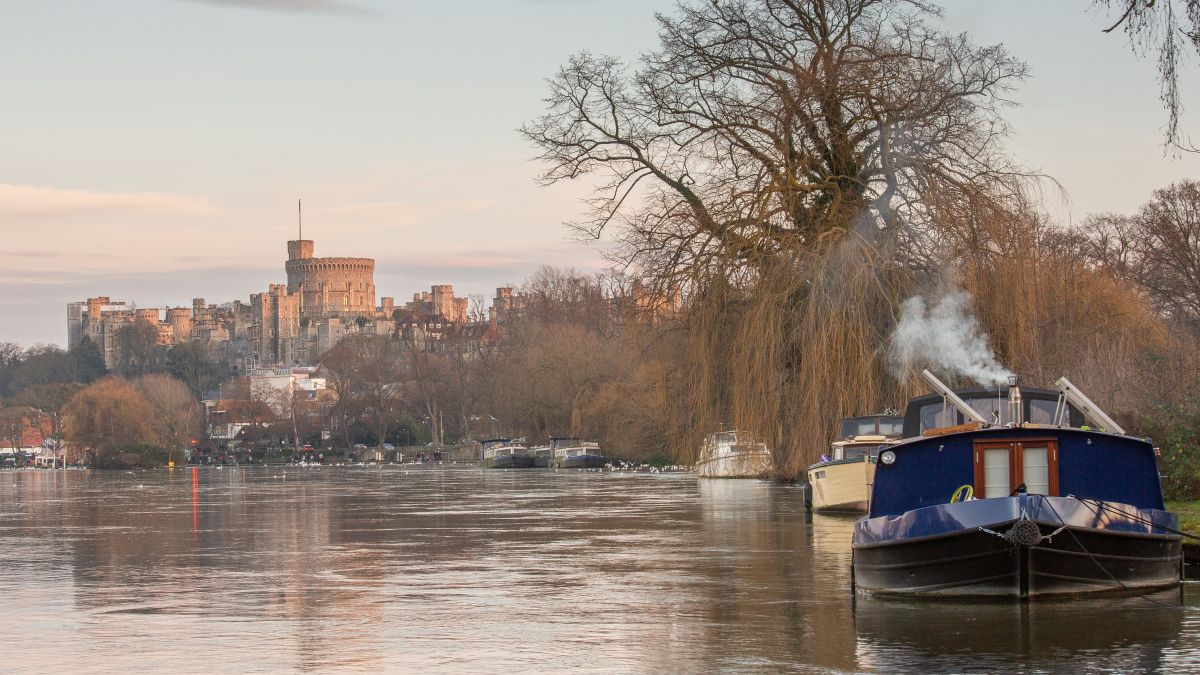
(1024, 533)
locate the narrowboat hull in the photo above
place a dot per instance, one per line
(957, 550)
(583, 462)
(841, 485)
(517, 461)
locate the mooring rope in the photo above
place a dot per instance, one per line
(1104, 569)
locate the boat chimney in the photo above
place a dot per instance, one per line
(1015, 407)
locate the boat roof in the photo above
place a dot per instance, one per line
(912, 413)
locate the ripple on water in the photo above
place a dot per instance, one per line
(452, 568)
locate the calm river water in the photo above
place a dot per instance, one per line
(434, 568)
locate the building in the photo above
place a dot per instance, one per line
(324, 301)
(329, 286)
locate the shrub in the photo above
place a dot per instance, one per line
(134, 456)
(1175, 429)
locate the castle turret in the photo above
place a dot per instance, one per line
(180, 319)
(149, 315)
(300, 249)
(330, 286)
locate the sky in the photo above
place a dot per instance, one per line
(153, 150)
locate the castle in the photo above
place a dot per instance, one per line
(324, 300)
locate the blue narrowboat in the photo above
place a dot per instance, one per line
(1012, 493)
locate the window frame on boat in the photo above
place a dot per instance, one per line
(1016, 462)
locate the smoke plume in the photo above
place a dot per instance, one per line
(946, 337)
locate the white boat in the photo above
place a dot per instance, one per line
(841, 481)
(502, 453)
(542, 455)
(733, 454)
(574, 453)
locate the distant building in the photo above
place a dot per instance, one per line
(23, 428)
(324, 301)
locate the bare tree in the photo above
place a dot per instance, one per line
(760, 125)
(281, 402)
(137, 348)
(1167, 29)
(1170, 249)
(784, 164)
(51, 399)
(176, 411)
(342, 367)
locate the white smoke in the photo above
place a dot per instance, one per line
(947, 338)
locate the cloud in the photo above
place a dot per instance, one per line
(31, 203)
(316, 6)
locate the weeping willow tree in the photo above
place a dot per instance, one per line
(789, 166)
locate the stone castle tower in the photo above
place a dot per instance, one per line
(329, 286)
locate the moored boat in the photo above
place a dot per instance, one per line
(1015, 493)
(503, 453)
(542, 455)
(574, 453)
(842, 480)
(733, 454)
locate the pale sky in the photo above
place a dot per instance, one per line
(153, 150)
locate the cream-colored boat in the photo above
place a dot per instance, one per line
(841, 481)
(733, 454)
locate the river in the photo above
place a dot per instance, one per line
(454, 569)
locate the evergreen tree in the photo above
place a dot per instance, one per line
(87, 360)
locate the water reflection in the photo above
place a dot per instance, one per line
(1121, 635)
(444, 568)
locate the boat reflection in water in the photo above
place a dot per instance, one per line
(733, 454)
(1110, 634)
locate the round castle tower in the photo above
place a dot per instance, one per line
(329, 286)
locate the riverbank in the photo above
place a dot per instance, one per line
(1189, 521)
(1189, 515)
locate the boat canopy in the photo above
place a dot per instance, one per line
(1040, 405)
(871, 425)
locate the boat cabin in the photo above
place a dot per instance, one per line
(859, 436)
(570, 447)
(496, 447)
(1040, 406)
(889, 426)
(1049, 451)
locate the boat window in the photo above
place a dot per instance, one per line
(1041, 411)
(934, 415)
(995, 473)
(891, 426)
(1002, 466)
(727, 437)
(855, 451)
(1035, 466)
(988, 407)
(858, 427)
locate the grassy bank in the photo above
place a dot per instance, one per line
(1189, 515)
